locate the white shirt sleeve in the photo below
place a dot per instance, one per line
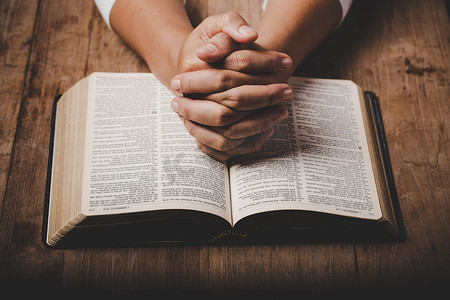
(105, 7)
(345, 4)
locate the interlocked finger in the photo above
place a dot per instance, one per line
(255, 123)
(251, 97)
(215, 81)
(206, 112)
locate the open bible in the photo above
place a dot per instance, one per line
(123, 170)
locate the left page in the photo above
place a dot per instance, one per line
(139, 156)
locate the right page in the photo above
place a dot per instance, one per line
(317, 160)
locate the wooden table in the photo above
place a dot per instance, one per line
(399, 49)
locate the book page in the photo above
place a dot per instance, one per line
(140, 157)
(317, 160)
(67, 182)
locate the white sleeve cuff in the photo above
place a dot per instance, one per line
(105, 7)
(345, 4)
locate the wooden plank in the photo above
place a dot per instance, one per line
(283, 268)
(250, 10)
(398, 49)
(16, 30)
(197, 11)
(403, 55)
(59, 52)
(204, 269)
(107, 52)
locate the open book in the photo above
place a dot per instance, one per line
(123, 170)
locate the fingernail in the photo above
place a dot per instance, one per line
(287, 94)
(174, 105)
(246, 30)
(209, 48)
(286, 63)
(176, 84)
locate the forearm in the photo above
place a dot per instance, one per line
(296, 27)
(155, 29)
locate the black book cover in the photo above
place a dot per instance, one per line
(269, 235)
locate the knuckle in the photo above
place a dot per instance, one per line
(187, 65)
(191, 129)
(229, 17)
(265, 125)
(256, 143)
(225, 116)
(232, 99)
(240, 61)
(226, 39)
(272, 97)
(202, 147)
(256, 147)
(221, 143)
(251, 145)
(225, 80)
(273, 59)
(229, 131)
(220, 156)
(184, 110)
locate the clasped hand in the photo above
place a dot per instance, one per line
(229, 95)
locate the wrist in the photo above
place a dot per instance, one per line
(155, 29)
(297, 27)
(164, 64)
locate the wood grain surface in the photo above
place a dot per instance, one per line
(398, 49)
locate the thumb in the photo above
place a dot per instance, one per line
(223, 34)
(232, 24)
(236, 27)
